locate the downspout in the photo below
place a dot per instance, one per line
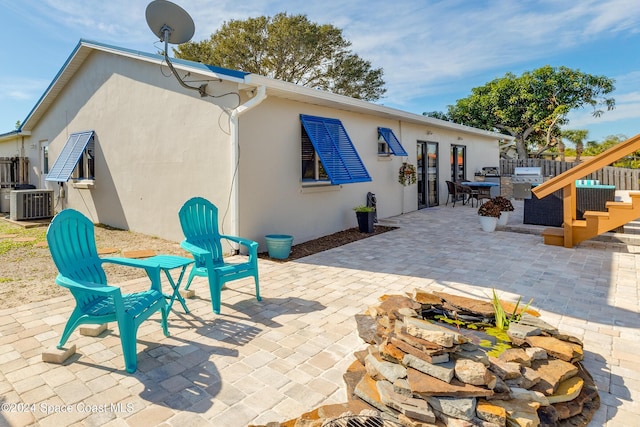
(261, 95)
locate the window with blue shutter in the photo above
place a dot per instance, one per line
(392, 142)
(340, 162)
(77, 151)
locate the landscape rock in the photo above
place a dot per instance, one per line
(563, 350)
(504, 370)
(521, 331)
(464, 409)
(417, 409)
(472, 305)
(422, 373)
(417, 349)
(517, 355)
(523, 413)
(367, 390)
(442, 371)
(527, 379)
(426, 385)
(405, 421)
(430, 332)
(536, 353)
(471, 372)
(426, 298)
(368, 328)
(529, 396)
(376, 367)
(552, 372)
(568, 390)
(527, 319)
(487, 411)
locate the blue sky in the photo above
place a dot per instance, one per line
(432, 52)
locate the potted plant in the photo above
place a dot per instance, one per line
(407, 174)
(505, 207)
(365, 215)
(489, 213)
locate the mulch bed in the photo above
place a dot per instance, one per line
(328, 242)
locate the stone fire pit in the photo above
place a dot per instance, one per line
(417, 372)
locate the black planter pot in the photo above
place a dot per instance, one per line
(365, 221)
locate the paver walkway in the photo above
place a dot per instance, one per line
(273, 360)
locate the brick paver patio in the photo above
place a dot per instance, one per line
(273, 360)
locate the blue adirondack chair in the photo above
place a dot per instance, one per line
(199, 221)
(71, 241)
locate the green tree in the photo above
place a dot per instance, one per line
(289, 48)
(593, 148)
(533, 107)
(576, 137)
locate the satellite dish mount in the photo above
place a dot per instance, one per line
(172, 24)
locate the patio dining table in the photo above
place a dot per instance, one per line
(480, 189)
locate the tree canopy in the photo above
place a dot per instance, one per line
(289, 48)
(532, 107)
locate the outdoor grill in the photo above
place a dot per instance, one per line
(530, 174)
(523, 179)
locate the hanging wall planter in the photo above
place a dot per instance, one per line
(407, 174)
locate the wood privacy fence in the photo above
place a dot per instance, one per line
(622, 178)
(13, 170)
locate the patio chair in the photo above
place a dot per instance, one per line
(457, 192)
(480, 195)
(199, 221)
(71, 241)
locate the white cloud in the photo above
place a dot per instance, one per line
(21, 89)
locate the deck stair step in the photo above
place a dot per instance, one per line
(553, 236)
(595, 223)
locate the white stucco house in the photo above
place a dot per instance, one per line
(118, 138)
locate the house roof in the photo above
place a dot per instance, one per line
(275, 88)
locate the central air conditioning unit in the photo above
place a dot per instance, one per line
(31, 204)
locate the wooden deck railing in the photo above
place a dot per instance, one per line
(567, 181)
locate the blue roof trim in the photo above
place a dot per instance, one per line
(198, 65)
(13, 132)
(393, 142)
(69, 156)
(335, 150)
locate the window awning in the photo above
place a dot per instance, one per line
(393, 142)
(335, 150)
(69, 156)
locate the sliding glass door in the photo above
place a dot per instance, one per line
(427, 174)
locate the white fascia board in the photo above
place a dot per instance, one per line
(293, 91)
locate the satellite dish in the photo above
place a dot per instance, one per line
(170, 22)
(173, 25)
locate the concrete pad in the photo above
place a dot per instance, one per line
(93, 330)
(55, 355)
(186, 294)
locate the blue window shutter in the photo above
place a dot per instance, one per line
(69, 156)
(392, 141)
(335, 150)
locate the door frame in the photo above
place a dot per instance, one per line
(43, 162)
(428, 196)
